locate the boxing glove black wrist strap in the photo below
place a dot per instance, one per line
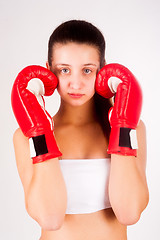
(38, 146)
(128, 138)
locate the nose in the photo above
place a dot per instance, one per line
(76, 82)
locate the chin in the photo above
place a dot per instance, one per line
(76, 102)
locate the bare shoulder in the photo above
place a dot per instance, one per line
(22, 156)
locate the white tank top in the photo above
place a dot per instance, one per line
(87, 184)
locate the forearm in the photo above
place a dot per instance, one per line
(128, 190)
(46, 198)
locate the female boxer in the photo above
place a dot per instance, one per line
(86, 180)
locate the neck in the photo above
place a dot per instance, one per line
(76, 115)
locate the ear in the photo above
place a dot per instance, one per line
(105, 63)
(47, 65)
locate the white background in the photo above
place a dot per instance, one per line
(132, 32)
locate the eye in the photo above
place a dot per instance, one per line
(87, 71)
(64, 70)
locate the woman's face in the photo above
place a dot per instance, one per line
(76, 66)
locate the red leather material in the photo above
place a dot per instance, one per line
(32, 118)
(101, 84)
(127, 106)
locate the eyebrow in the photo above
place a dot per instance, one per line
(62, 64)
(65, 64)
(90, 64)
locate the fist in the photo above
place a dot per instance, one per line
(28, 106)
(115, 80)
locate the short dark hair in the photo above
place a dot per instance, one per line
(78, 31)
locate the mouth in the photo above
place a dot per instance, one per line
(75, 95)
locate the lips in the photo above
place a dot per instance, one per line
(76, 95)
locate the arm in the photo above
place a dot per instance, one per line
(128, 189)
(44, 187)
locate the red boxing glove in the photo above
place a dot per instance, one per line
(28, 106)
(116, 80)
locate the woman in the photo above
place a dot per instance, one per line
(82, 192)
